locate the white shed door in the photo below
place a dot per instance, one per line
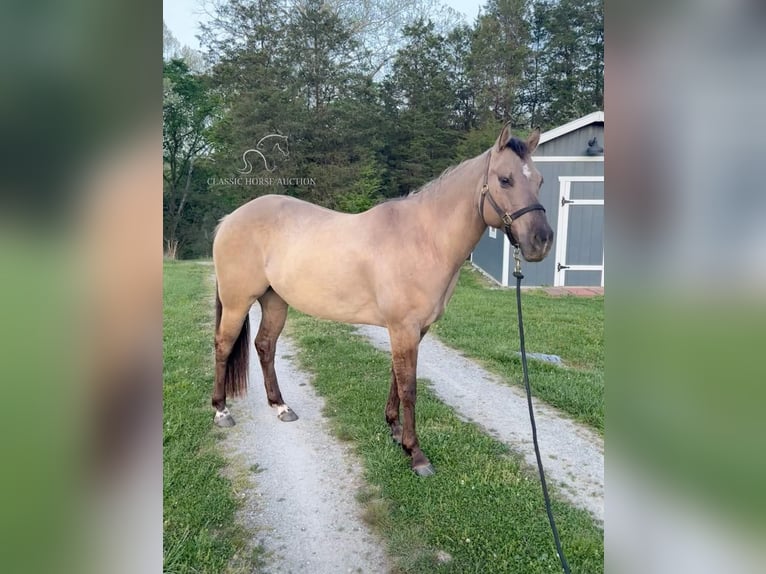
(580, 232)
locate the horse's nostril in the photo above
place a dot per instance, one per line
(544, 236)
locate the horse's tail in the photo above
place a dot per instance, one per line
(237, 362)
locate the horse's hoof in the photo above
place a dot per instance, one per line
(223, 419)
(424, 470)
(286, 414)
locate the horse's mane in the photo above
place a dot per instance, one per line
(436, 181)
(519, 147)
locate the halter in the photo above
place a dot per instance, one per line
(505, 217)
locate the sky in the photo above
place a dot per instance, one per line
(182, 17)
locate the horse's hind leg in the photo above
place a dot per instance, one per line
(231, 344)
(273, 316)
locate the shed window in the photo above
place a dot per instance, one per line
(493, 233)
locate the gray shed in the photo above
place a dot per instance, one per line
(572, 164)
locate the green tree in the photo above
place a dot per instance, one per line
(245, 47)
(499, 53)
(420, 103)
(189, 110)
(571, 59)
(366, 190)
(374, 100)
(532, 93)
(298, 74)
(458, 47)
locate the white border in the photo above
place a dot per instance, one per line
(562, 231)
(567, 158)
(581, 178)
(506, 261)
(571, 126)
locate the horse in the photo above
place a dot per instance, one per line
(395, 265)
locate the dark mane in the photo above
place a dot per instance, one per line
(519, 147)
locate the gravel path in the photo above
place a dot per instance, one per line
(302, 504)
(573, 455)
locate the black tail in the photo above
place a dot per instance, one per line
(236, 365)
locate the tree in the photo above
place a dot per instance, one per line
(571, 58)
(498, 57)
(322, 53)
(173, 50)
(171, 47)
(373, 97)
(244, 43)
(377, 26)
(593, 46)
(420, 108)
(188, 111)
(458, 46)
(532, 93)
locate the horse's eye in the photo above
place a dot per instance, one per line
(505, 182)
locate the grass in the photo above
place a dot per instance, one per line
(481, 323)
(200, 535)
(482, 512)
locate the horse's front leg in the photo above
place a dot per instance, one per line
(392, 409)
(392, 405)
(404, 355)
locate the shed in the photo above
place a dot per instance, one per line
(571, 160)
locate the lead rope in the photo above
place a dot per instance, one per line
(519, 276)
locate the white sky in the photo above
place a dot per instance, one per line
(183, 16)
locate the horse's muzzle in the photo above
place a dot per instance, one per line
(539, 244)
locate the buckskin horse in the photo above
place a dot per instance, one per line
(395, 265)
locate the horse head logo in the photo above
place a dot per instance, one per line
(269, 148)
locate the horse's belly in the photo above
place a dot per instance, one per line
(328, 291)
(337, 311)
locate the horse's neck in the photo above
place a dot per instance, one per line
(452, 205)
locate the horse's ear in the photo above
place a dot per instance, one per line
(504, 137)
(533, 140)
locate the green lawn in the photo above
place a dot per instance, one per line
(199, 506)
(481, 322)
(481, 512)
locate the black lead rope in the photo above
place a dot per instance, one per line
(519, 276)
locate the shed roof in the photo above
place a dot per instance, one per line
(571, 126)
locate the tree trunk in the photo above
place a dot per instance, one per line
(171, 249)
(172, 240)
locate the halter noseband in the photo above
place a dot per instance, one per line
(505, 217)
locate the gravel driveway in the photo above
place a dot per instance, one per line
(573, 455)
(302, 505)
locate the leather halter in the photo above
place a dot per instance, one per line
(505, 217)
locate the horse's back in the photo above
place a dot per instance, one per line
(273, 208)
(311, 256)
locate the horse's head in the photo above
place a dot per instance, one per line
(509, 193)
